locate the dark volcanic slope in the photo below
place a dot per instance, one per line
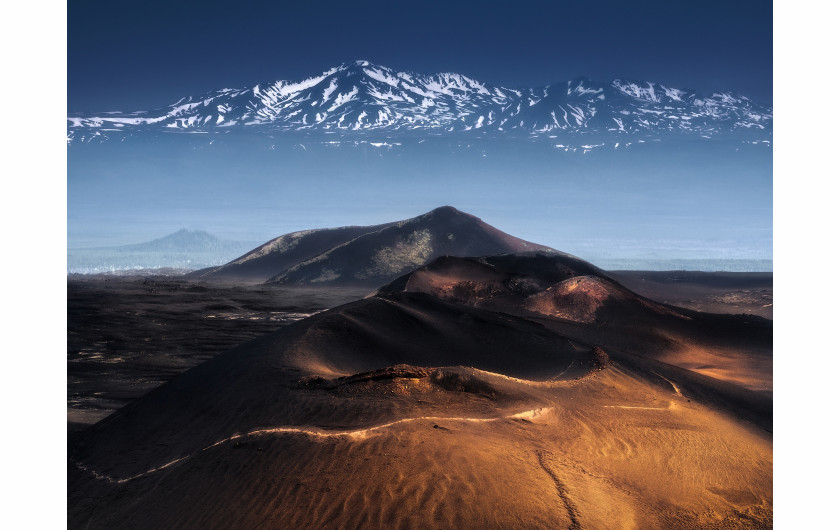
(371, 255)
(579, 300)
(129, 334)
(283, 252)
(249, 385)
(405, 408)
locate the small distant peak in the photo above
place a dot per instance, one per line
(350, 65)
(187, 232)
(447, 210)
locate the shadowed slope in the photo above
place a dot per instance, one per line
(283, 252)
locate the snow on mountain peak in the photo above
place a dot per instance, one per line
(644, 91)
(362, 96)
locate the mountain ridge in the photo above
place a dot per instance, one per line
(359, 97)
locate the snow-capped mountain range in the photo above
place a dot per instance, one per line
(360, 97)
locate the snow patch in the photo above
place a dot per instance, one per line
(341, 99)
(330, 89)
(647, 93)
(382, 76)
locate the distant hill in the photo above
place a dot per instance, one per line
(371, 255)
(181, 241)
(184, 250)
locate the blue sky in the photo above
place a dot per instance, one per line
(132, 55)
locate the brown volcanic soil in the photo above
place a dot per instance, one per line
(610, 451)
(412, 410)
